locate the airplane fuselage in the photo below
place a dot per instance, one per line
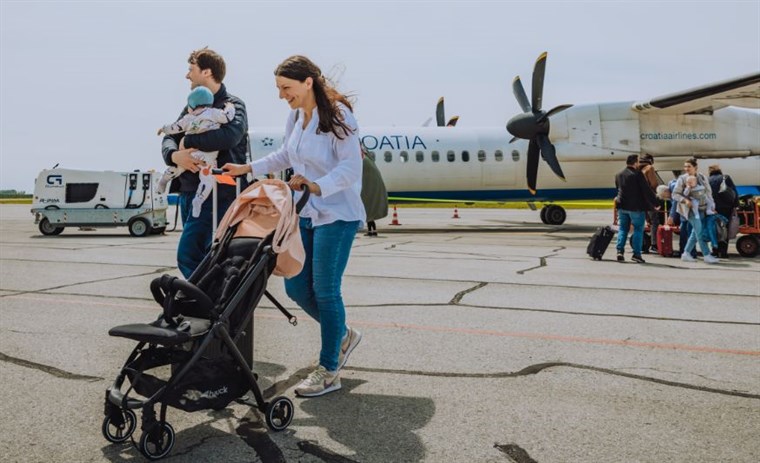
(592, 143)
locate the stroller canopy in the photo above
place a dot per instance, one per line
(262, 208)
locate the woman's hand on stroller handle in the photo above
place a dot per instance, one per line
(236, 170)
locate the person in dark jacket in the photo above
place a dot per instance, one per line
(206, 68)
(374, 196)
(634, 198)
(726, 201)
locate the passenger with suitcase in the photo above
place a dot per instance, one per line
(634, 198)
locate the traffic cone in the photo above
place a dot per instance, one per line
(395, 217)
(456, 213)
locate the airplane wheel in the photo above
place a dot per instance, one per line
(748, 246)
(555, 215)
(543, 214)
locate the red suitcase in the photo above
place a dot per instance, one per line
(665, 240)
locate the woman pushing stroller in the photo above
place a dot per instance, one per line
(322, 146)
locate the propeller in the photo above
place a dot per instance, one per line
(440, 116)
(533, 124)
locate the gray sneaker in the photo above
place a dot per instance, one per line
(350, 341)
(319, 382)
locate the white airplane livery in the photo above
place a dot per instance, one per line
(583, 146)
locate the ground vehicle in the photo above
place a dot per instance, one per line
(749, 226)
(67, 197)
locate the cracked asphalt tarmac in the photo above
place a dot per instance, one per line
(489, 338)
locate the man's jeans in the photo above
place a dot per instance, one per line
(625, 219)
(317, 288)
(196, 231)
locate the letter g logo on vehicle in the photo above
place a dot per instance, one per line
(55, 179)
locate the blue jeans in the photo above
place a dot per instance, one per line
(317, 288)
(196, 231)
(625, 219)
(696, 234)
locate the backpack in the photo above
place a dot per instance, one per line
(724, 195)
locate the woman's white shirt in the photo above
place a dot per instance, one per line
(334, 164)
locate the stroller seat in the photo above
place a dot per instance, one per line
(160, 332)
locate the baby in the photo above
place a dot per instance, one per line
(694, 194)
(200, 117)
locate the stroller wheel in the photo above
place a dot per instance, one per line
(279, 413)
(158, 441)
(118, 429)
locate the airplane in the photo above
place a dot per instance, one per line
(583, 145)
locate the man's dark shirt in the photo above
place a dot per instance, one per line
(634, 193)
(231, 140)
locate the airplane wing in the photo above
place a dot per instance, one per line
(743, 92)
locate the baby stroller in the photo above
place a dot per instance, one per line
(203, 320)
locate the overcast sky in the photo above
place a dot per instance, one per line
(87, 84)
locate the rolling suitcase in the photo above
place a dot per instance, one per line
(665, 241)
(599, 242)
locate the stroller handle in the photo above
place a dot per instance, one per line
(304, 198)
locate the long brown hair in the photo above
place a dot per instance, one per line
(299, 68)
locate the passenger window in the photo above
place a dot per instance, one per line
(515, 155)
(371, 155)
(466, 156)
(450, 156)
(404, 156)
(435, 156)
(481, 156)
(498, 155)
(388, 156)
(420, 156)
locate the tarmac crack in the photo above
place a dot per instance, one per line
(515, 453)
(48, 369)
(70, 285)
(539, 367)
(541, 263)
(312, 448)
(458, 296)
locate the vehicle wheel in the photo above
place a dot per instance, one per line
(555, 215)
(139, 227)
(158, 441)
(117, 433)
(279, 413)
(101, 206)
(748, 245)
(158, 230)
(48, 229)
(543, 215)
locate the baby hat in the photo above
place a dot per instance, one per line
(200, 96)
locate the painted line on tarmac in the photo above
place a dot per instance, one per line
(548, 337)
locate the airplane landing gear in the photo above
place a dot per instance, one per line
(553, 215)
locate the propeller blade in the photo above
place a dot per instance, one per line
(514, 139)
(532, 170)
(549, 153)
(522, 98)
(537, 90)
(453, 121)
(553, 111)
(427, 122)
(440, 116)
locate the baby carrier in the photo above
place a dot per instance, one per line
(194, 341)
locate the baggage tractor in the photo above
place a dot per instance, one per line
(599, 242)
(665, 241)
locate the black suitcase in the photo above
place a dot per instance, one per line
(599, 242)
